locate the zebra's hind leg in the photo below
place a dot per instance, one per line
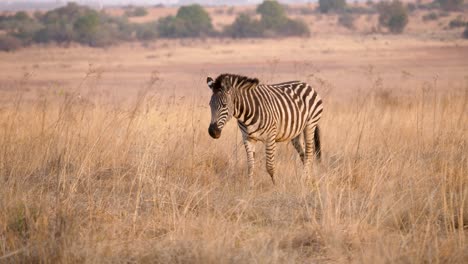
(309, 148)
(296, 142)
(250, 149)
(270, 147)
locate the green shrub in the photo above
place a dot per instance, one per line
(74, 23)
(430, 16)
(326, 6)
(245, 27)
(273, 14)
(457, 22)
(190, 21)
(70, 23)
(136, 12)
(412, 7)
(273, 22)
(393, 15)
(147, 31)
(59, 24)
(346, 20)
(20, 26)
(87, 27)
(167, 26)
(307, 10)
(9, 43)
(360, 10)
(451, 5)
(294, 28)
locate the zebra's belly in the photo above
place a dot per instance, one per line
(263, 134)
(287, 132)
(255, 131)
(290, 136)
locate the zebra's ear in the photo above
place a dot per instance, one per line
(210, 82)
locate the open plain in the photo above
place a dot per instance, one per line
(105, 155)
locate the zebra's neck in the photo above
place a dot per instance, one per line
(242, 105)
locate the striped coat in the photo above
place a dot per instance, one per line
(267, 113)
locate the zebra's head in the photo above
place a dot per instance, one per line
(221, 105)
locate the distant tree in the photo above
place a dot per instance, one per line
(171, 27)
(430, 16)
(273, 14)
(147, 31)
(59, 23)
(346, 20)
(136, 12)
(20, 25)
(9, 43)
(190, 21)
(21, 16)
(87, 27)
(393, 15)
(273, 22)
(451, 5)
(197, 21)
(326, 6)
(457, 22)
(294, 27)
(245, 27)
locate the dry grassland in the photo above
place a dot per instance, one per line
(105, 155)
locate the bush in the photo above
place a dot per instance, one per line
(307, 10)
(294, 28)
(59, 24)
(147, 31)
(9, 43)
(451, 5)
(273, 14)
(86, 28)
(465, 33)
(346, 20)
(393, 15)
(72, 23)
(190, 21)
(245, 27)
(360, 10)
(412, 7)
(136, 12)
(457, 22)
(273, 22)
(430, 16)
(20, 26)
(326, 6)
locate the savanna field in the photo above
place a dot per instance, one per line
(105, 155)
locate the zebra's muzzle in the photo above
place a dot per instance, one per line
(214, 131)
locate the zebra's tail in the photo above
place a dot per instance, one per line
(318, 149)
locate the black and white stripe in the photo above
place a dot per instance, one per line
(267, 113)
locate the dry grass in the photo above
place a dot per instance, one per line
(105, 155)
(88, 179)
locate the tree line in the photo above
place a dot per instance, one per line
(81, 24)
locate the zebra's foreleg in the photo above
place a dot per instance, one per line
(270, 147)
(250, 149)
(298, 146)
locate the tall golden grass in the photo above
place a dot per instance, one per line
(89, 179)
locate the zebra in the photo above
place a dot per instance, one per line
(269, 114)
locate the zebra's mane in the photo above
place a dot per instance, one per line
(241, 81)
